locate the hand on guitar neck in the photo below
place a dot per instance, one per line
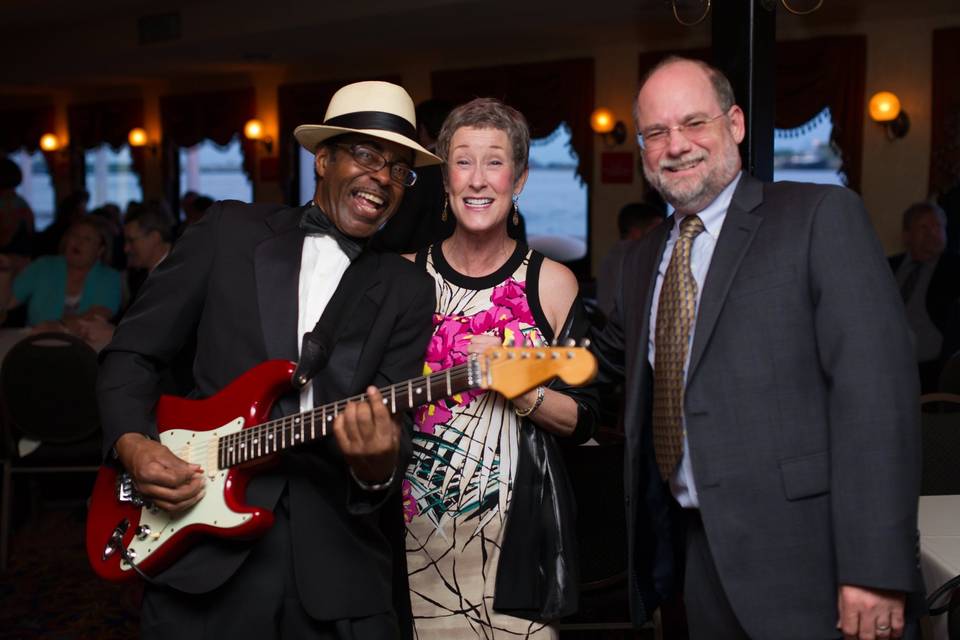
(369, 438)
(171, 483)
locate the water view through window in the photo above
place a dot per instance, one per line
(36, 187)
(110, 177)
(805, 154)
(215, 171)
(554, 200)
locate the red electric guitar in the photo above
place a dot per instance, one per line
(127, 536)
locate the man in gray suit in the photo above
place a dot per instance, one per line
(772, 401)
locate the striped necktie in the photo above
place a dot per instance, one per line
(676, 313)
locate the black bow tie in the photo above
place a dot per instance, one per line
(316, 221)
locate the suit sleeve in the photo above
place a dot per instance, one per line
(402, 360)
(866, 356)
(608, 343)
(158, 324)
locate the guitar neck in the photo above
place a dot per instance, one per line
(294, 430)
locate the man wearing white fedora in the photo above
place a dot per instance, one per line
(251, 280)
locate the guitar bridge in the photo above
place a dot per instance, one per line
(127, 492)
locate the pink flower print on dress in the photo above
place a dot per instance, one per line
(512, 295)
(410, 509)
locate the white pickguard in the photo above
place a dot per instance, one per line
(196, 447)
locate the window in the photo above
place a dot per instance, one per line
(554, 200)
(805, 154)
(36, 187)
(110, 177)
(215, 171)
(307, 176)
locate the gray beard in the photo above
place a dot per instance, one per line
(691, 197)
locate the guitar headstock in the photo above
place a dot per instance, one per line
(512, 371)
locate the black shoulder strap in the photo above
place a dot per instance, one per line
(421, 260)
(318, 343)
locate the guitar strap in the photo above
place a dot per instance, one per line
(318, 343)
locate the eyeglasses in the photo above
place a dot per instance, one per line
(657, 138)
(374, 161)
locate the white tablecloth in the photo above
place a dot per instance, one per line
(939, 525)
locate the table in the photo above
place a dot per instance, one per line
(939, 524)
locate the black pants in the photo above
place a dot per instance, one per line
(259, 602)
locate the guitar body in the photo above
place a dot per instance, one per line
(191, 429)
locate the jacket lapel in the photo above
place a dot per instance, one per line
(277, 268)
(648, 274)
(350, 313)
(739, 228)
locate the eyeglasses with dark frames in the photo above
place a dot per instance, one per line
(373, 160)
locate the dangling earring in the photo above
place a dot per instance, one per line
(516, 210)
(443, 214)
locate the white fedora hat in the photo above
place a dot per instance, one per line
(378, 109)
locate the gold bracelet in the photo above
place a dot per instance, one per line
(523, 413)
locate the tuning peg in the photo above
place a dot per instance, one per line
(553, 342)
(570, 342)
(585, 343)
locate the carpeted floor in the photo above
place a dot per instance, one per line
(49, 590)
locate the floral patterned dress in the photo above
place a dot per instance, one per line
(456, 491)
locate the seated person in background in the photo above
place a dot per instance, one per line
(148, 231)
(69, 210)
(633, 222)
(110, 213)
(16, 217)
(58, 290)
(929, 281)
(147, 239)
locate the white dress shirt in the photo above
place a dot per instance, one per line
(322, 265)
(682, 483)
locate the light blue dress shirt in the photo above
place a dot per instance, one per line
(682, 483)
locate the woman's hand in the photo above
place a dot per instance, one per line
(482, 342)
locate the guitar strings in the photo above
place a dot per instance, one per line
(301, 427)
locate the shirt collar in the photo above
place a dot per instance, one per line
(716, 212)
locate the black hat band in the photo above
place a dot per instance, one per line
(375, 120)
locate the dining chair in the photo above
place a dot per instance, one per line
(596, 474)
(50, 421)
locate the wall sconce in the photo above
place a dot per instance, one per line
(612, 131)
(885, 110)
(138, 138)
(49, 142)
(253, 130)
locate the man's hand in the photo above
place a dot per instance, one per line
(866, 614)
(369, 438)
(171, 483)
(95, 331)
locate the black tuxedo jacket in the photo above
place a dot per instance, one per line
(802, 412)
(233, 280)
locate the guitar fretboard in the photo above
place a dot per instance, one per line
(270, 437)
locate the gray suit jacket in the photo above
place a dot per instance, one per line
(801, 407)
